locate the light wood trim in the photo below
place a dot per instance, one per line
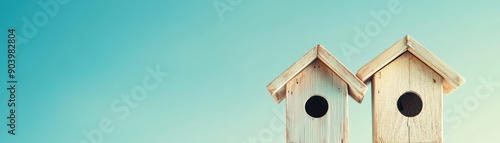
(357, 88)
(345, 132)
(452, 81)
(276, 87)
(365, 72)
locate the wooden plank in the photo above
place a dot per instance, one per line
(426, 126)
(452, 81)
(276, 89)
(316, 79)
(345, 133)
(389, 125)
(407, 74)
(365, 72)
(356, 88)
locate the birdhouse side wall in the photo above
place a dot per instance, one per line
(406, 74)
(316, 79)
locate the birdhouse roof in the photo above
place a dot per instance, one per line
(356, 87)
(452, 80)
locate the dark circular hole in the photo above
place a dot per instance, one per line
(409, 104)
(316, 106)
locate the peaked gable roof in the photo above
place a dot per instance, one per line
(356, 88)
(452, 80)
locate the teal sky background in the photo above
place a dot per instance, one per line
(90, 53)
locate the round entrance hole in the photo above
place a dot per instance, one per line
(409, 104)
(316, 106)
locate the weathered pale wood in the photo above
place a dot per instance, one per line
(316, 79)
(276, 89)
(365, 72)
(389, 126)
(427, 126)
(406, 73)
(452, 80)
(357, 88)
(345, 133)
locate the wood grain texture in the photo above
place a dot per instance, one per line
(406, 73)
(276, 87)
(427, 126)
(452, 80)
(345, 132)
(389, 126)
(365, 72)
(356, 88)
(316, 79)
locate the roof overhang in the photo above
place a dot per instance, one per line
(452, 80)
(356, 88)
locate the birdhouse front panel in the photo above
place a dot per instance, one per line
(407, 102)
(316, 107)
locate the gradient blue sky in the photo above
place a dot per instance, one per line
(92, 52)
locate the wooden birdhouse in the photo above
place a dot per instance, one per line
(408, 82)
(316, 88)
